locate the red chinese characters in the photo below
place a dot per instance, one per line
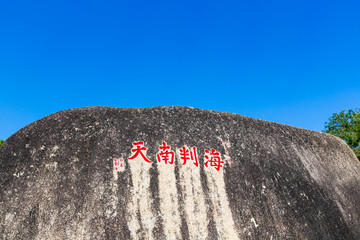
(226, 146)
(213, 158)
(186, 154)
(139, 150)
(165, 154)
(118, 163)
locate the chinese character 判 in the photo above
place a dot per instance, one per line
(165, 154)
(186, 154)
(214, 159)
(139, 150)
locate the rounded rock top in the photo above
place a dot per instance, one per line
(175, 173)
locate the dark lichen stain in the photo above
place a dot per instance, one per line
(184, 226)
(158, 231)
(212, 231)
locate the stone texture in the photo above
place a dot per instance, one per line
(57, 179)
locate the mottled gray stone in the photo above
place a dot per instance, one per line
(57, 179)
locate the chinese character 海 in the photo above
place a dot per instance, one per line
(213, 158)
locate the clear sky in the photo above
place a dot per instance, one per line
(291, 62)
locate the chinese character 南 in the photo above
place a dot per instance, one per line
(213, 158)
(165, 154)
(139, 150)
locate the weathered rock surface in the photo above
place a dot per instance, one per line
(58, 179)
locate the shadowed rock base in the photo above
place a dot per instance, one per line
(175, 173)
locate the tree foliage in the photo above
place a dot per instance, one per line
(1, 142)
(346, 125)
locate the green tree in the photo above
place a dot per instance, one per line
(346, 125)
(1, 142)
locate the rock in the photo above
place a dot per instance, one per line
(69, 176)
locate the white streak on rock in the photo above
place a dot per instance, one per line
(169, 205)
(253, 221)
(194, 201)
(222, 213)
(140, 200)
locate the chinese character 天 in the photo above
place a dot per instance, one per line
(139, 149)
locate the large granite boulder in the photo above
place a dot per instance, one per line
(175, 173)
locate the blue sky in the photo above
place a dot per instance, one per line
(291, 62)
